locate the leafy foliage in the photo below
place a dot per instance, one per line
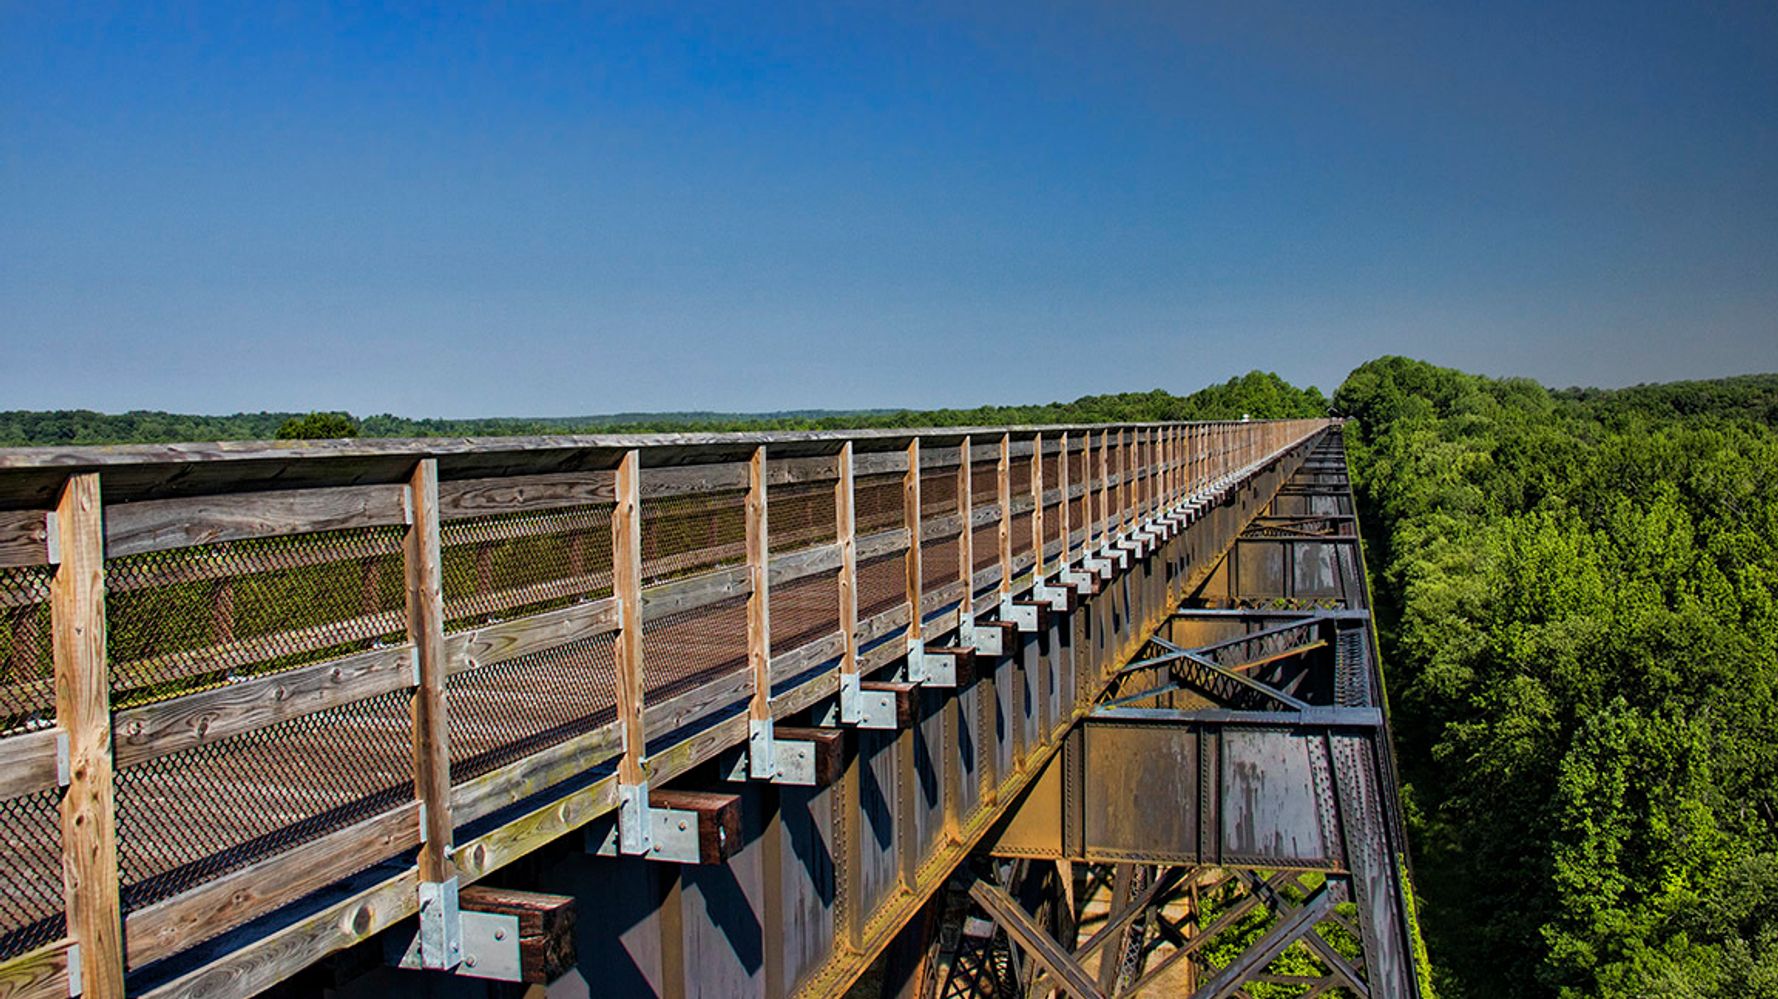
(318, 426)
(1259, 394)
(1579, 598)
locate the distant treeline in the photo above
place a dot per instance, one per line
(1578, 598)
(1260, 394)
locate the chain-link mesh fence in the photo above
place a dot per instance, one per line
(27, 668)
(189, 619)
(31, 913)
(686, 649)
(877, 503)
(882, 584)
(511, 565)
(801, 515)
(191, 816)
(687, 534)
(805, 610)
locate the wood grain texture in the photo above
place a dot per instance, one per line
(846, 538)
(24, 537)
(83, 710)
(546, 768)
(29, 762)
(464, 498)
(152, 730)
(425, 629)
(170, 926)
(546, 927)
(507, 640)
(155, 525)
(910, 522)
(788, 568)
(718, 818)
(37, 974)
(693, 592)
(626, 562)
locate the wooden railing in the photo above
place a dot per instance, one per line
(235, 674)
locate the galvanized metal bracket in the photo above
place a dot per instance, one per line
(865, 708)
(785, 761)
(635, 833)
(672, 835)
(1100, 566)
(1022, 615)
(985, 641)
(489, 948)
(1055, 596)
(440, 940)
(1080, 579)
(930, 670)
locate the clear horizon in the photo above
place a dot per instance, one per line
(633, 209)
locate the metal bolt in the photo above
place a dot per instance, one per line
(500, 934)
(681, 825)
(470, 960)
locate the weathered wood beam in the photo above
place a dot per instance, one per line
(83, 710)
(425, 628)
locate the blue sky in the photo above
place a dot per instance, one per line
(556, 209)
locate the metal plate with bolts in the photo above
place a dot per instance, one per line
(1081, 580)
(985, 641)
(794, 759)
(931, 670)
(873, 709)
(1055, 596)
(1022, 615)
(673, 833)
(440, 939)
(491, 947)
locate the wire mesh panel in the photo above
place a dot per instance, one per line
(687, 649)
(805, 610)
(882, 584)
(938, 563)
(190, 619)
(509, 565)
(984, 482)
(692, 533)
(1021, 534)
(938, 486)
(1020, 474)
(31, 913)
(985, 544)
(194, 815)
(801, 515)
(27, 669)
(877, 503)
(504, 712)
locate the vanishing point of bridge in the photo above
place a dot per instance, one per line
(973, 712)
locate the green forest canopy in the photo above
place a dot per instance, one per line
(1261, 394)
(1578, 595)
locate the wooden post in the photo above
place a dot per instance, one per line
(910, 517)
(626, 585)
(425, 628)
(1123, 483)
(1104, 488)
(845, 529)
(83, 710)
(1037, 508)
(759, 625)
(1004, 468)
(966, 541)
(1062, 485)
